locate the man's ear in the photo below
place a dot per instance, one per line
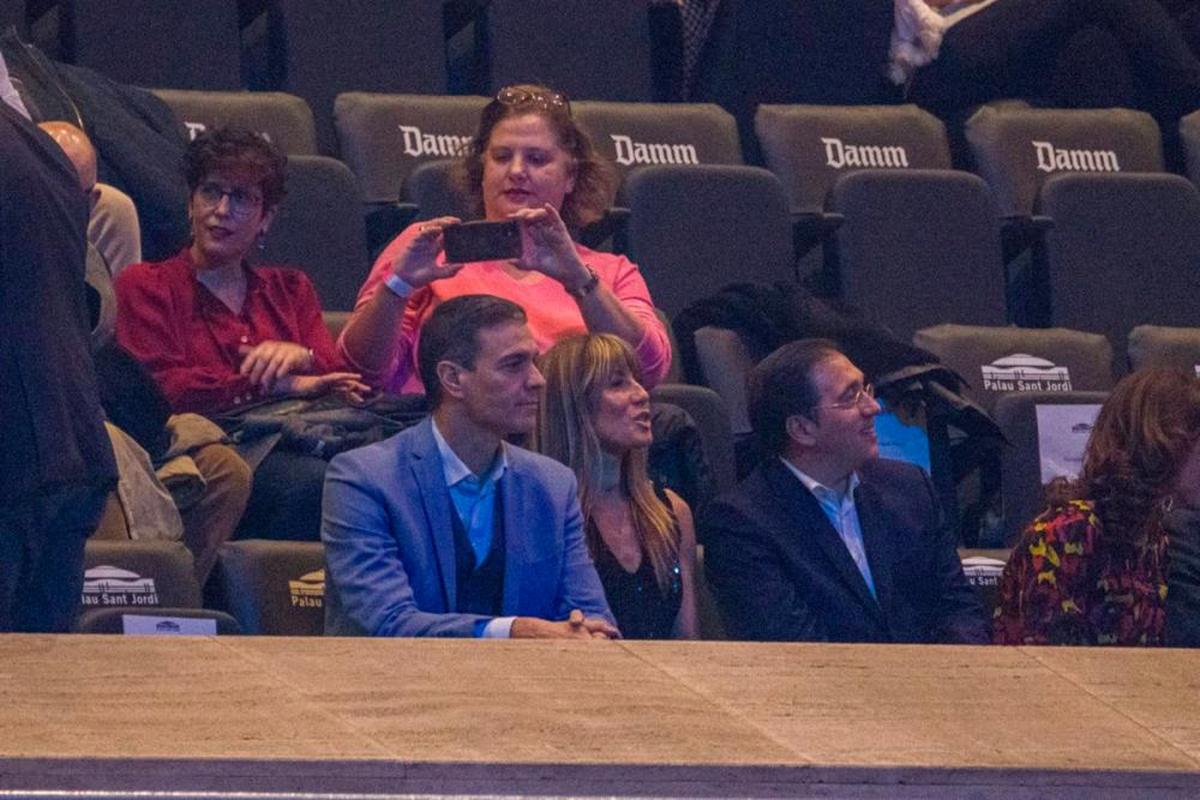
(800, 430)
(450, 377)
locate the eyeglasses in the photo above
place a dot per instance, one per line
(863, 397)
(242, 204)
(547, 101)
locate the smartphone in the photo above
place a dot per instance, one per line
(481, 241)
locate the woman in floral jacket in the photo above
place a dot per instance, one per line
(1093, 568)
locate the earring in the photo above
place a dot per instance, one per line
(262, 239)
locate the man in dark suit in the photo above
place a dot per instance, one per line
(56, 464)
(825, 541)
(446, 530)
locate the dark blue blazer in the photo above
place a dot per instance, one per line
(389, 544)
(780, 571)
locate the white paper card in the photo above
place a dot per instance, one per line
(140, 625)
(1063, 432)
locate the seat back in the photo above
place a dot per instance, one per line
(383, 137)
(1017, 149)
(725, 362)
(320, 49)
(158, 622)
(319, 228)
(432, 189)
(1189, 134)
(136, 575)
(273, 588)
(997, 361)
(1021, 463)
(590, 49)
(707, 410)
(1124, 251)
(1158, 346)
(177, 44)
(905, 270)
(810, 147)
(694, 229)
(631, 135)
(284, 119)
(982, 569)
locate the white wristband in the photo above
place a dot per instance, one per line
(398, 286)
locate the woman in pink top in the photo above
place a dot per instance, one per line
(528, 162)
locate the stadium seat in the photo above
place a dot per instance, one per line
(1157, 346)
(810, 147)
(156, 622)
(273, 588)
(1189, 135)
(431, 190)
(590, 49)
(318, 49)
(136, 575)
(693, 229)
(725, 360)
(919, 247)
(1017, 149)
(982, 569)
(383, 137)
(996, 361)
(284, 119)
(176, 44)
(1124, 251)
(319, 228)
(631, 135)
(1020, 465)
(707, 410)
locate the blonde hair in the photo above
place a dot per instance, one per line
(577, 370)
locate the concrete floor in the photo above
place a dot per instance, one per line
(281, 715)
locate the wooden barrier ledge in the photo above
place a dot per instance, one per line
(109, 713)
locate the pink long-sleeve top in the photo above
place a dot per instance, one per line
(553, 314)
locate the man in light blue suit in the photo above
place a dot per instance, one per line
(445, 529)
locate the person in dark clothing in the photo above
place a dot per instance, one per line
(1010, 49)
(824, 540)
(56, 465)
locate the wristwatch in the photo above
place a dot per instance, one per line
(587, 287)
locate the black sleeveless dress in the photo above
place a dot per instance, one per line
(641, 608)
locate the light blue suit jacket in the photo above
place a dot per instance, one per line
(389, 544)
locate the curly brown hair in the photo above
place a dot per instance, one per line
(234, 148)
(593, 192)
(1145, 432)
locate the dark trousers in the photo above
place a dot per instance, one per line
(285, 499)
(1010, 49)
(41, 558)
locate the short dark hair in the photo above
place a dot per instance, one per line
(593, 192)
(237, 148)
(452, 334)
(780, 386)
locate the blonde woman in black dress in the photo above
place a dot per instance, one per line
(595, 418)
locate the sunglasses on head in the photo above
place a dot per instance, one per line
(545, 100)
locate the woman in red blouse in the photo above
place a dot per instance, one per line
(1093, 568)
(217, 334)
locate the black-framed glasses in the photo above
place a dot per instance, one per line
(545, 100)
(863, 397)
(242, 204)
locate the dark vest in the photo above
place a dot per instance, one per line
(480, 588)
